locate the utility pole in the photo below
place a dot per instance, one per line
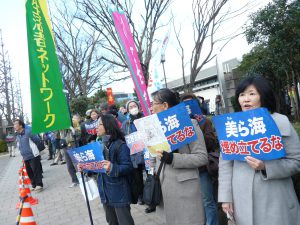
(222, 84)
(162, 60)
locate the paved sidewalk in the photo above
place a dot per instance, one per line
(58, 204)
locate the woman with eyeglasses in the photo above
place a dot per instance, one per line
(114, 185)
(180, 184)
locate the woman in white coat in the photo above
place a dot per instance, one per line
(261, 192)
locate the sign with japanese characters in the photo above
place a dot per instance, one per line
(135, 142)
(194, 110)
(88, 157)
(152, 133)
(91, 127)
(167, 130)
(250, 133)
(177, 126)
(48, 101)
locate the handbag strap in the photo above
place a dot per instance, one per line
(159, 168)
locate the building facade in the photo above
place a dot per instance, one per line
(207, 84)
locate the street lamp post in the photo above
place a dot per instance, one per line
(222, 83)
(162, 60)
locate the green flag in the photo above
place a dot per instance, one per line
(48, 101)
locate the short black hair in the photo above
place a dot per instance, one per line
(165, 95)
(263, 87)
(113, 109)
(200, 97)
(111, 127)
(95, 110)
(104, 106)
(20, 122)
(186, 96)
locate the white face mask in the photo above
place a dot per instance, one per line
(134, 111)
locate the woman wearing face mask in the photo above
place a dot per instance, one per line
(138, 162)
(114, 185)
(255, 191)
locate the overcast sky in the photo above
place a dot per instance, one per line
(13, 26)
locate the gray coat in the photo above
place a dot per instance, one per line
(182, 202)
(262, 199)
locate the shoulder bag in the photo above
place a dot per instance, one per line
(152, 194)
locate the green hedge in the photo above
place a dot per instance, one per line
(3, 146)
(297, 127)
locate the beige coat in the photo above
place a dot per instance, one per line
(182, 202)
(260, 199)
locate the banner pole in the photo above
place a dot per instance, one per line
(20, 210)
(87, 199)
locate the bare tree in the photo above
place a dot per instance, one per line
(18, 100)
(78, 50)
(208, 17)
(5, 81)
(180, 51)
(144, 19)
(9, 109)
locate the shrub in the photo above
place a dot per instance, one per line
(3, 146)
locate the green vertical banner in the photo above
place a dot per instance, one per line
(48, 101)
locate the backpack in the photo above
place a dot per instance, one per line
(212, 146)
(38, 142)
(135, 187)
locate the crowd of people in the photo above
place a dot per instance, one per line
(251, 192)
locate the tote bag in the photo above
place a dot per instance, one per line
(152, 194)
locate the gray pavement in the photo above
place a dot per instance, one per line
(58, 204)
(3, 164)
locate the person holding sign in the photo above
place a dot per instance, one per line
(210, 206)
(114, 187)
(88, 128)
(179, 176)
(256, 191)
(137, 159)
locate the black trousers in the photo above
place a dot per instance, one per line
(139, 175)
(34, 171)
(71, 168)
(118, 216)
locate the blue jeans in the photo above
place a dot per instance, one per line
(210, 206)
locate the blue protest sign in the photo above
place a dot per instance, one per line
(135, 143)
(250, 133)
(194, 110)
(88, 157)
(147, 159)
(177, 126)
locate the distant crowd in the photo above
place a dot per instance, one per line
(192, 178)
